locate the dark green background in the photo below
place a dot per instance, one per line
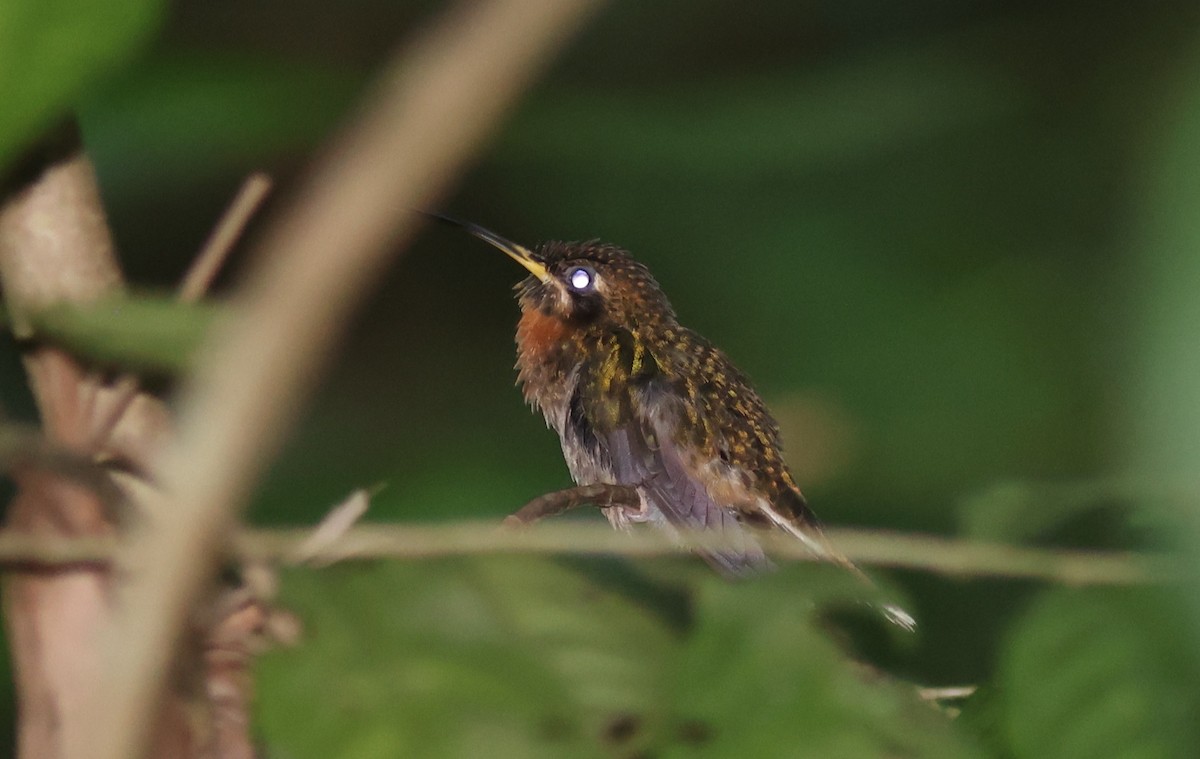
(952, 242)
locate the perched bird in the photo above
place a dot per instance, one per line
(638, 399)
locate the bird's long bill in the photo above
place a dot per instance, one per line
(518, 253)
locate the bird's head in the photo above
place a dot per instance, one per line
(582, 283)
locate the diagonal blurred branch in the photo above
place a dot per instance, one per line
(429, 112)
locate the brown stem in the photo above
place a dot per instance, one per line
(220, 243)
(553, 504)
(54, 247)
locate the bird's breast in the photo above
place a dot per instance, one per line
(539, 336)
(545, 367)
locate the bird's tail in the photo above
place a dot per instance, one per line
(803, 525)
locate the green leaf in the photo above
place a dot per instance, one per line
(759, 677)
(51, 49)
(501, 657)
(1101, 673)
(139, 332)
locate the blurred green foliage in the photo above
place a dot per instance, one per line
(1101, 673)
(150, 334)
(523, 657)
(49, 51)
(954, 244)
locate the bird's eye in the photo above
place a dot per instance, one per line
(582, 279)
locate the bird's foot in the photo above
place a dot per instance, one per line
(623, 517)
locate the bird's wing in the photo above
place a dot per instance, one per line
(644, 451)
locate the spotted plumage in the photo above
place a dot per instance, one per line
(638, 399)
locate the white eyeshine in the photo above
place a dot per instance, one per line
(581, 279)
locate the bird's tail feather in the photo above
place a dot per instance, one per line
(813, 537)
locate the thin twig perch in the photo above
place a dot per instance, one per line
(924, 553)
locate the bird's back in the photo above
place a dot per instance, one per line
(724, 420)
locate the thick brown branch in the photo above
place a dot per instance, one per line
(54, 247)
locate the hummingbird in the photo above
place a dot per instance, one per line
(640, 400)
